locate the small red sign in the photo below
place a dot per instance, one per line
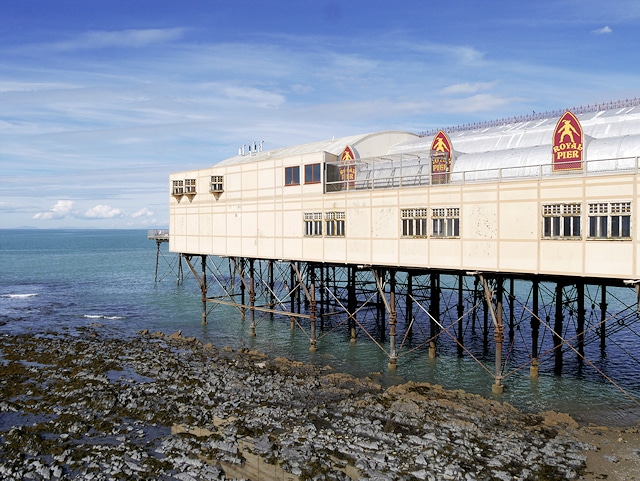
(568, 143)
(441, 143)
(440, 154)
(348, 170)
(347, 154)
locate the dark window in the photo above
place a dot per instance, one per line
(292, 175)
(312, 174)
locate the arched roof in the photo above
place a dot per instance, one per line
(609, 134)
(366, 145)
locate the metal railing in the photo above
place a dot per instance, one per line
(158, 234)
(383, 173)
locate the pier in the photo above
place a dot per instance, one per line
(507, 244)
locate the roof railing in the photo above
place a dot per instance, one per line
(582, 109)
(370, 175)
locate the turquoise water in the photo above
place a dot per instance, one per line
(60, 280)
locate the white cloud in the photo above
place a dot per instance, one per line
(121, 38)
(466, 88)
(103, 212)
(477, 103)
(142, 212)
(602, 31)
(61, 209)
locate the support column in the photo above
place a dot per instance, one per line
(408, 316)
(180, 273)
(603, 318)
(381, 312)
(271, 281)
(581, 318)
(512, 314)
(312, 307)
(252, 297)
(498, 337)
(498, 329)
(434, 311)
(155, 277)
(460, 314)
(557, 331)
(351, 302)
(485, 326)
(393, 356)
(535, 328)
(243, 289)
(322, 295)
(292, 289)
(203, 287)
(474, 317)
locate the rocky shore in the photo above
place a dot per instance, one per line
(94, 407)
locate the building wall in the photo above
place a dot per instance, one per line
(257, 216)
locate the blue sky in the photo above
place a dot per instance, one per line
(100, 100)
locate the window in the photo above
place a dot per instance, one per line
(217, 183)
(335, 223)
(610, 220)
(292, 175)
(190, 186)
(446, 222)
(312, 174)
(414, 222)
(313, 223)
(561, 220)
(178, 187)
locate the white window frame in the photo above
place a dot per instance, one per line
(335, 222)
(415, 222)
(189, 186)
(609, 220)
(562, 221)
(445, 222)
(217, 184)
(177, 187)
(312, 224)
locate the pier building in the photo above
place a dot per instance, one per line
(427, 240)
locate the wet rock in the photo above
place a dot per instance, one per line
(170, 408)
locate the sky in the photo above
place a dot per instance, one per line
(101, 100)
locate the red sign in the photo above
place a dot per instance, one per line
(440, 155)
(347, 154)
(568, 146)
(348, 171)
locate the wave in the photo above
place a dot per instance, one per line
(18, 296)
(101, 316)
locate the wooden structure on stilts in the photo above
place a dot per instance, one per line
(505, 243)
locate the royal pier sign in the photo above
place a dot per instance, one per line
(568, 143)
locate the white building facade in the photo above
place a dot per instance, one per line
(549, 196)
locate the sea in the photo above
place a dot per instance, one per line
(64, 280)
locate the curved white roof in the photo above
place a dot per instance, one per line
(367, 145)
(609, 134)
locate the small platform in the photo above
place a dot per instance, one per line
(158, 235)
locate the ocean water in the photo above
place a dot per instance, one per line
(62, 280)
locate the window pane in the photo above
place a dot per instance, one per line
(615, 226)
(421, 225)
(593, 226)
(437, 227)
(546, 227)
(311, 173)
(556, 226)
(626, 226)
(576, 226)
(292, 175)
(603, 226)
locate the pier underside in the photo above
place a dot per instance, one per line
(505, 323)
